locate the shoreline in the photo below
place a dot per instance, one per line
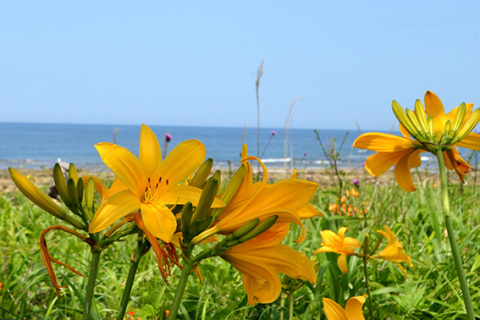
(324, 177)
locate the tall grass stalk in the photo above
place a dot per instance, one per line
(452, 238)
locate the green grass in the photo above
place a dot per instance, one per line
(431, 290)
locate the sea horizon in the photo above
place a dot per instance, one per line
(41, 145)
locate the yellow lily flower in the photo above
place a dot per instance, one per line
(431, 129)
(338, 244)
(393, 251)
(262, 258)
(259, 200)
(152, 184)
(353, 309)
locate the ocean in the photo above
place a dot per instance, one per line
(35, 145)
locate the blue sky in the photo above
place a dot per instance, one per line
(194, 63)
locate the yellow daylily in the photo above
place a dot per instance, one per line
(393, 251)
(261, 259)
(431, 129)
(353, 309)
(152, 184)
(340, 244)
(260, 200)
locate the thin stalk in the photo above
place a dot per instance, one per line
(92, 277)
(186, 271)
(452, 238)
(282, 305)
(290, 304)
(370, 309)
(130, 278)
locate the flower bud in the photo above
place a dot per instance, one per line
(202, 174)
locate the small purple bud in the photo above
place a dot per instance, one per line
(304, 154)
(168, 137)
(274, 132)
(229, 162)
(356, 182)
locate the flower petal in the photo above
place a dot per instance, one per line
(333, 310)
(182, 161)
(472, 141)
(353, 309)
(342, 263)
(379, 163)
(150, 154)
(125, 166)
(159, 220)
(402, 170)
(382, 142)
(115, 207)
(434, 108)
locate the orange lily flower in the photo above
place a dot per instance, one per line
(262, 258)
(431, 129)
(338, 244)
(353, 309)
(393, 251)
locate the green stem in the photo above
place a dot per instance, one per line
(130, 278)
(290, 304)
(92, 277)
(452, 238)
(186, 271)
(282, 304)
(364, 258)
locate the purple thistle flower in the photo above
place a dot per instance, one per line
(274, 132)
(168, 137)
(356, 182)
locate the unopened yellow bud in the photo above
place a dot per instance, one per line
(414, 121)
(208, 196)
(459, 117)
(36, 195)
(60, 184)
(420, 114)
(403, 119)
(469, 125)
(202, 174)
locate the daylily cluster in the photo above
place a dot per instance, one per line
(346, 246)
(426, 129)
(148, 199)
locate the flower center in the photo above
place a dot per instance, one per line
(153, 191)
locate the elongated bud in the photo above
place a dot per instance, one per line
(36, 195)
(447, 127)
(202, 174)
(243, 229)
(469, 125)
(208, 196)
(414, 121)
(420, 114)
(430, 126)
(258, 230)
(231, 190)
(187, 222)
(375, 246)
(403, 119)
(73, 195)
(80, 190)
(459, 117)
(60, 184)
(72, 172)
(366, 243)
(88, 198)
